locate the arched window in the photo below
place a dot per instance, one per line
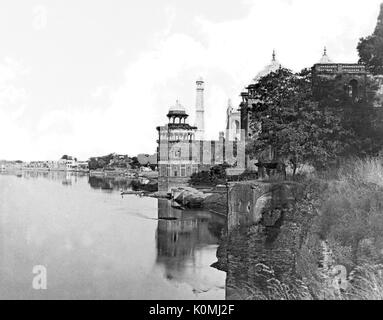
(236, 126)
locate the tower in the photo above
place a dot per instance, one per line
(200, 110)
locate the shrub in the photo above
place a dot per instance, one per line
(216, 175)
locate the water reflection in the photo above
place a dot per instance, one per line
(109, 183)
(99, 245)
(180, 242)
(66, 178)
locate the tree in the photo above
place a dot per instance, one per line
(216, 175)
(371, 48)
(135, 164)
(291, 122)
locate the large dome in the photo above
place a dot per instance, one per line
(272, 67)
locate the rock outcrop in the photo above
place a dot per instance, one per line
(215, 200)
(254, 202)
(265, 237)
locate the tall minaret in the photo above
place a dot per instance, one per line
(200, 110)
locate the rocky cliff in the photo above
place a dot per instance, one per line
(266, 235)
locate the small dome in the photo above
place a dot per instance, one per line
(272, 67)
(325, 58)
(177, 109)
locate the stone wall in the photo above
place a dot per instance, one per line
(254, 202)
(265, 237)
(165, 184)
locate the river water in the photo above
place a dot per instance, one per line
(96, 244)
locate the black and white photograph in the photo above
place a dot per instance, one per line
(211, 151)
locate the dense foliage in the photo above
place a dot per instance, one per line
(371, 48)
(302, 128)
(112, 161)
(287, 118)
(216, 175)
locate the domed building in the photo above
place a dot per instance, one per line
(175, 163)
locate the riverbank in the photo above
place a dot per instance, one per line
(124, 173)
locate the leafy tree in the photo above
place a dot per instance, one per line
(216, 175)
(287, 117)
(371, 48)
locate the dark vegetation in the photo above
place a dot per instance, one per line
(216, 175)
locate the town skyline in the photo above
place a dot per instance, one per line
(73, 84)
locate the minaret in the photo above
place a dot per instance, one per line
(200, 110)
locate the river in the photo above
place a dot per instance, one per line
(96, 244)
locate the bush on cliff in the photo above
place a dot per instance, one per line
(352, 212)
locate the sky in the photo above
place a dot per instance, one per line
(92, 77)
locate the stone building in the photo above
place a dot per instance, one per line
(352, 76)
(175, 163)
(182, 149)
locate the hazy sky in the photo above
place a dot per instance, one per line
(93, 77)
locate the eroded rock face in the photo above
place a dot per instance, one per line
(254, 202)
(216, 202)
(264, 238)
